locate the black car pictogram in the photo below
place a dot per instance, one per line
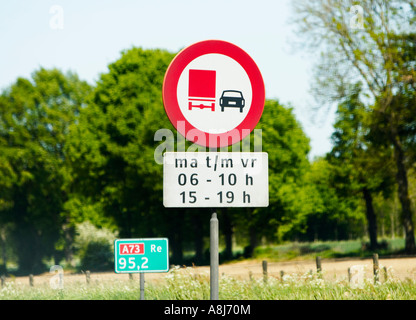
(232, 98)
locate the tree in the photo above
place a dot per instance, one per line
(326, 210)
(112, 147)
(360, 167)
(381, 54)
(34, 119)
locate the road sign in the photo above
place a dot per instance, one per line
(141, 255)
(215, 179)
(213, 93)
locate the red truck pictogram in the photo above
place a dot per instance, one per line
(201, 92)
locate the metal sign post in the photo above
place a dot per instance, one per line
(141, 286)
(214, 257)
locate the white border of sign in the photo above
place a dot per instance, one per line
(142, 239)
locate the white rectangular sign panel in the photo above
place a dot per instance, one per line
(215, 179)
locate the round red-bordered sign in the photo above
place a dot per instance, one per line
(213, 93)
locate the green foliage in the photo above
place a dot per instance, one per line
(95, 247)
(329, 214)
(111, 149)
(382, 56)
(34, 119)
(359, 162)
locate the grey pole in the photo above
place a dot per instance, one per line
(214, 256)
(141, 286)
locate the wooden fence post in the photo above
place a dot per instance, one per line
(3, 280)
(375, 267)
(250, 275)
(282, 273)
(349, 275)
(318, 265)
(264, 264)
(31, 280)
(88, 276)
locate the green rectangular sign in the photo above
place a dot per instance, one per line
(141, 255)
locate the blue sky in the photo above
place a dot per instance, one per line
(95, 32)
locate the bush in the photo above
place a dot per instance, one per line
(98, 256)
(94, 247)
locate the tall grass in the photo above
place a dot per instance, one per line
(184, 284)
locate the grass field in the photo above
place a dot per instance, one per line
(328, 249)
(182, 284)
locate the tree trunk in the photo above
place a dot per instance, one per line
(177, 236)
(129, 224)
(3, 267)
(392, 219)
(199, 238)
(25, 237)
(249, 250)
(403, 192)
(177, 250)
(228, 233)
(27, 249)
(371, 218)
(69, 232)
